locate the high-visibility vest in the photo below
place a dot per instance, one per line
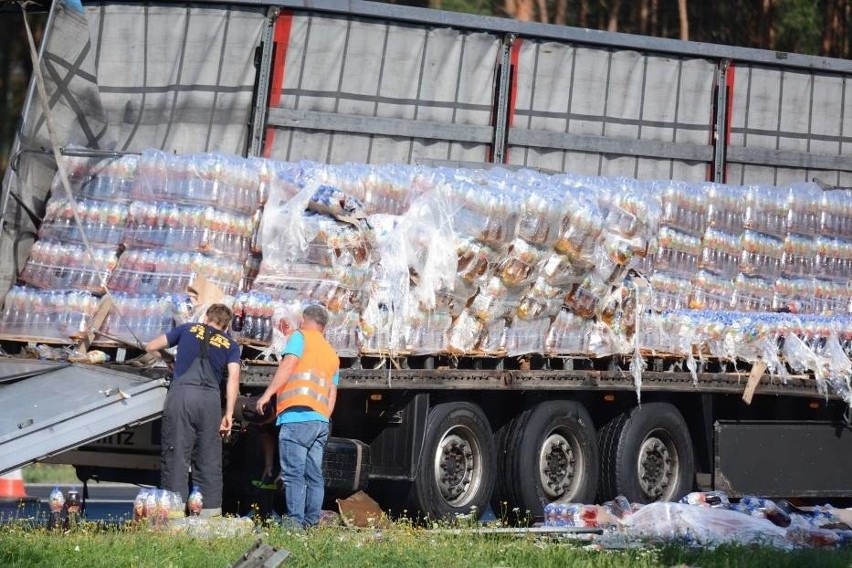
(311, 382)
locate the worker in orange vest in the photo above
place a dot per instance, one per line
(305, 386)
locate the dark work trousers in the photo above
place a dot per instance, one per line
(191, 419)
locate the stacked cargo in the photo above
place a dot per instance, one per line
(152, 223)
(422, 260)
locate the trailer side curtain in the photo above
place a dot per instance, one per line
(782, 115)
(347, 89)
(611, 112)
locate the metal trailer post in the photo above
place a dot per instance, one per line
(257, 128)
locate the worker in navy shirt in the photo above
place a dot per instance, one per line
(193, 422)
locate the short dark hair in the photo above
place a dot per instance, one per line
(219, 315)
(316, 314)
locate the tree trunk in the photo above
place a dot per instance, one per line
(653, 21)
(542, 11)
(509, 8)
(583, 15)
(612, 17)
(523, 10)
(767, 39)
(560, 12)
(643, 17)
(684, 20)
(436, 4)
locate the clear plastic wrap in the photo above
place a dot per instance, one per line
(684, 206)
(57, 315)
(794, 294)
(711, 292)
(540, 300)
(800, 255)
(54, 265)
(580, 229)
(475, 260)
(766, 210)
(724, 207)
(677, 252)
(519, 265)
(568, 335)
(539, 217)
(584, 298)
(482, 212)
(151, 271)
(831, 297)
(493, 341)
(836, 214)
(426, 331)
(219, 180)
(102, 221)
(803, 205)
(106, 178)
(139, 318)
(834, 259)
(188, 228)
(432, 247)
(341, 333)
(383, 317)
(670, 291)
(560, 270)
(526, 336)
(753, 294)
(464, 334)
(762, 255)
(494, 300)
(720, 253)
(703, 525)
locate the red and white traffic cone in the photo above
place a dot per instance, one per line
(12, 486)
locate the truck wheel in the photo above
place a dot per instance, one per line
(457, 465)
(646, 455)
(552, 455)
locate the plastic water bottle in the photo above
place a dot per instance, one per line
(139, 505)
(56, 501)
(195, 502)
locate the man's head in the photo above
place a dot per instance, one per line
(314, 316)
(219, 316)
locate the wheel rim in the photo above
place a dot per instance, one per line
(458, 466)
(558, 464)
(658, 466)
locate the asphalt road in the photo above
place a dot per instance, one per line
(110, 502)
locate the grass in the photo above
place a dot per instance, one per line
(50, 473)
(403, 545)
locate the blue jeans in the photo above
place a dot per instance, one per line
(301, 446)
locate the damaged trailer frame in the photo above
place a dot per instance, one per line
(373, 83)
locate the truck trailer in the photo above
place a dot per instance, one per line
(315, 83)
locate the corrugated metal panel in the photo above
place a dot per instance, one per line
(67, 407)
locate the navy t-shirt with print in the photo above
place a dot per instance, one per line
(222, 348)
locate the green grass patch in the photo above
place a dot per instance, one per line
(50, 473)
(403, 545)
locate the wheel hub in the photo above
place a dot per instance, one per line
(657, 465)
(458, 460)
(557, 465)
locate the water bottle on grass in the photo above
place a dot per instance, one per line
(195, 502)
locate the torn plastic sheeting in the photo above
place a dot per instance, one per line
(702, 525)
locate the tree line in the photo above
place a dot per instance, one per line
(813, 27)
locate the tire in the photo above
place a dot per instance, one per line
(646, 455)
(505, 497)
(552, 454)
(456, 471)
